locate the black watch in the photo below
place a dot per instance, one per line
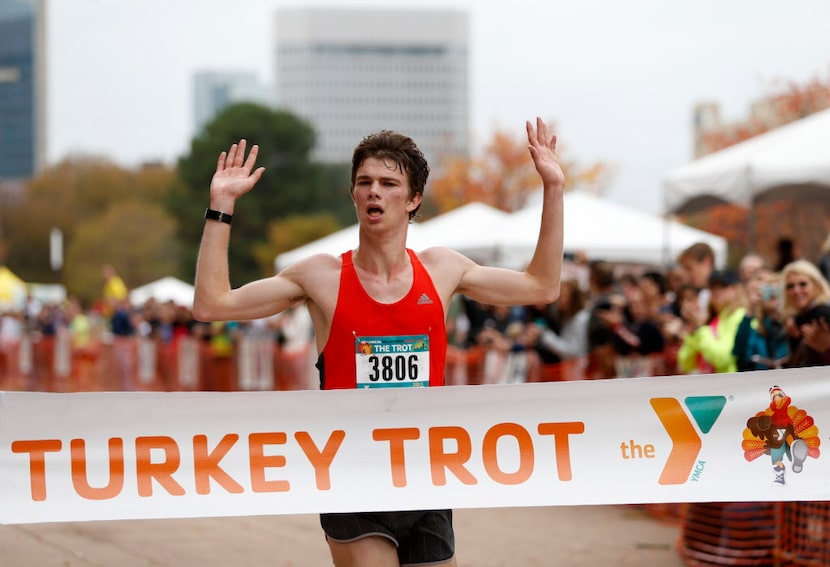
(212, 214)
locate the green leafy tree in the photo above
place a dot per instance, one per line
(70, 195)
(71, 192)
(291, 233)
(120, 237)
(292, 184)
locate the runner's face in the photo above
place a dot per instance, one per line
(381, 193)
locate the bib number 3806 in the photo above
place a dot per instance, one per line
(392, 361)
(393, 367)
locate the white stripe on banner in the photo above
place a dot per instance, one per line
(102, 456)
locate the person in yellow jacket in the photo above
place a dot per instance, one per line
(708, 348)
(114, 287)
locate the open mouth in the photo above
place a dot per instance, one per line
(374, 211)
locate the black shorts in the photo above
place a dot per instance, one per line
(422, 537)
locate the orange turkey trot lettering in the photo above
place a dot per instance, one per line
(159, 465)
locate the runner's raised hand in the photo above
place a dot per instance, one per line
(233, 177)
(543, 151)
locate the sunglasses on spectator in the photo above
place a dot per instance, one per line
(799, 284)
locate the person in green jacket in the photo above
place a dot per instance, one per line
(708, 348)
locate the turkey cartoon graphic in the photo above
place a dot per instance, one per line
(781, 431)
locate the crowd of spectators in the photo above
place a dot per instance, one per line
(114, 344)
(610, 321)
(615, 321)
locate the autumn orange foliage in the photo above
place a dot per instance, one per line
(806, 223)
(503, 176)
(788, 102)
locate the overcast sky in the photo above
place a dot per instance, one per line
(618, 78)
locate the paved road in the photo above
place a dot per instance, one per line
(581, 536)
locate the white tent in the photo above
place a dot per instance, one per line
(474, 229)
(793, 160)
(163, 290)
(602, 228)
(336, 243)
(12, 290)
(606, 230)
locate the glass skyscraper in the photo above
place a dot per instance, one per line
(20, 116)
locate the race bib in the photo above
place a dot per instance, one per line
(392, 361)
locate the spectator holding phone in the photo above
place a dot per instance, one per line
(806, 312)
(761, 342)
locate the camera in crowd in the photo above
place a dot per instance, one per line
(813, 314)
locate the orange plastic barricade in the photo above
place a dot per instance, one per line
(574, 368)
(219, 370)
(43, 364)
(669, 356)
(475, 356)
(204, 365)
(638, 366)
(566, 370)
(601, 363)
(52, 363)
(803, 534)
(148, 365)
(5, 375)
(62, 365)
(109, 367)
(166, 378)
(552, 372)
(187, 364)
(124, 364)
(294, 368)
(729, 533)
(255, 363)
(455, 368)
(85, 371)
(14, 364)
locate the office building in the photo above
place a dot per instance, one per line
(350, 72)
(22, 88)
(214, 90)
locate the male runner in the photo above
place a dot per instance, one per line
(379, 292)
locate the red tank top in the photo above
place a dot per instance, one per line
(374, 345)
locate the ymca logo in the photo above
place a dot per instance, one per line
(686, 442)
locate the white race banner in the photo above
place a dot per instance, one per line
(752, 436)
